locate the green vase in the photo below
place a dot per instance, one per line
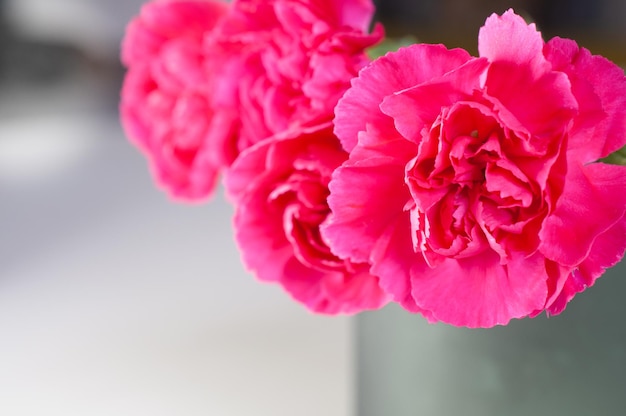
(571, 364)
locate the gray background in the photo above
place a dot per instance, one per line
(572, 364)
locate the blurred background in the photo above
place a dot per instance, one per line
(114, 300)
(595, 24)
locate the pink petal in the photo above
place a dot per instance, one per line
(393, 72)
(536, 105)
(332, 293)
(418, 107)
(266, 158)
(159, 22)
(592, 202)
(354, 13)
(393, 258)
(138, 84)
(219, 147)
(558, 277)
(607, 251)
(600, 88)
(509, 39)
(515, 50)
(183, 183)
(367, 193)
(480, 292)
(259, 241)
(181, 62)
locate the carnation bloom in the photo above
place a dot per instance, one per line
(169, 108)
(292, 60)
(473, 185)
(280, 187)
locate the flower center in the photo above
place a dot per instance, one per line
(468, 194)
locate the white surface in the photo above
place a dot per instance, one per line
(116, 301)
(96, 25)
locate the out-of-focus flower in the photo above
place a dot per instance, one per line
(169, 106)
(472, 185)
(207, 79)
(294, 60)
(280, 188)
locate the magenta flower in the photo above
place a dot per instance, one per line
(294, 60)
(473, 185)
(280, 187)
(169, 108)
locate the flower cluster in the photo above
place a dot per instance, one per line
(471, 190)
(249, 88)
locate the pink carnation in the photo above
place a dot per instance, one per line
(280, 189)
(473, 185)
(169, 108)
(294, 59)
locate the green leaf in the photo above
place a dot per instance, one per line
(616, 158)
(390, 45)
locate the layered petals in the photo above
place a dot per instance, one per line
(367, 182)
(296, 58)
(280, 189)
(598, 86)
(568, 233)
(359, 107)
